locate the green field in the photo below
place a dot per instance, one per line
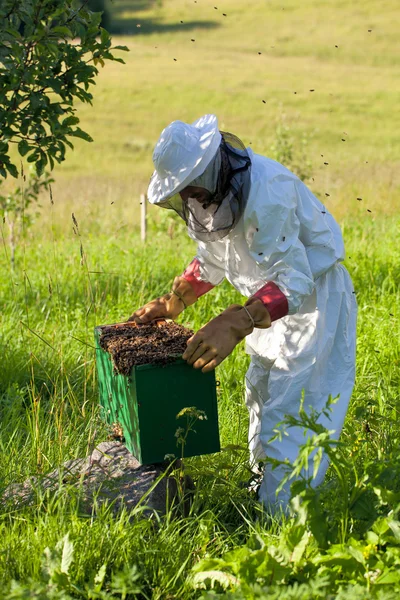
(64, 284)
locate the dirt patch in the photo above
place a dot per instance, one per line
(158, 343)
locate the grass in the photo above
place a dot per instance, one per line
(356, 91)
(64, 284)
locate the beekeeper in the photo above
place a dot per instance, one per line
(261, 228)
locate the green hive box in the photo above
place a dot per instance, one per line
(146, 402)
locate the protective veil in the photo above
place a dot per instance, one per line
(227, 178)
(286, 236)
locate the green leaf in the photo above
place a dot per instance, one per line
(380, 526)
(299, 550)
(388, 577)
(72, 120)
(209, 578)
(23, 147)
(99, 577)
(63, 31)
(81, 134)
(39, 167)
(104, 36)
(12, 169)
(67, 554)
(34, 156)
(395, 527)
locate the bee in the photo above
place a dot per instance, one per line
(260, 254)
(264, 102)
(284, 238)
(367, 428)
(326, 194)
(359, 199)
(192, 40)
(369, 210)
(326, 163)
(312, 90)
(343, 140)
(175, 59)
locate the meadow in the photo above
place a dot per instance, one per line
(254, 68)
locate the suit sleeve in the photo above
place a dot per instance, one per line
(272, 233)
(203, 273)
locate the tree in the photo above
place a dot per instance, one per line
(49, 54)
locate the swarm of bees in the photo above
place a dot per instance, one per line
(295, 92)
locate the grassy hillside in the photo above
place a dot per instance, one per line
(346, 52)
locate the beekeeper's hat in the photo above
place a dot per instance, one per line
(182, 153)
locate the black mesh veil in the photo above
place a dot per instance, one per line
(215, 219)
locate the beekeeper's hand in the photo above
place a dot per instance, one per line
(216, 340)
(168, 306)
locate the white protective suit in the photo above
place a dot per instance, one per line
(313, 347)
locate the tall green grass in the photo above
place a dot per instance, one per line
(49, 404)
(65, 283)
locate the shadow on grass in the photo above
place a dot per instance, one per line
(123, 17)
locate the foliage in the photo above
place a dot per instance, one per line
(192, 415)
(100, 6)
(49, 52)
(318, 555)
(56, 584)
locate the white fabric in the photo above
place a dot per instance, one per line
(287, 236)
(181, 154)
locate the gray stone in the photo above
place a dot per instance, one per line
(111, 474)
